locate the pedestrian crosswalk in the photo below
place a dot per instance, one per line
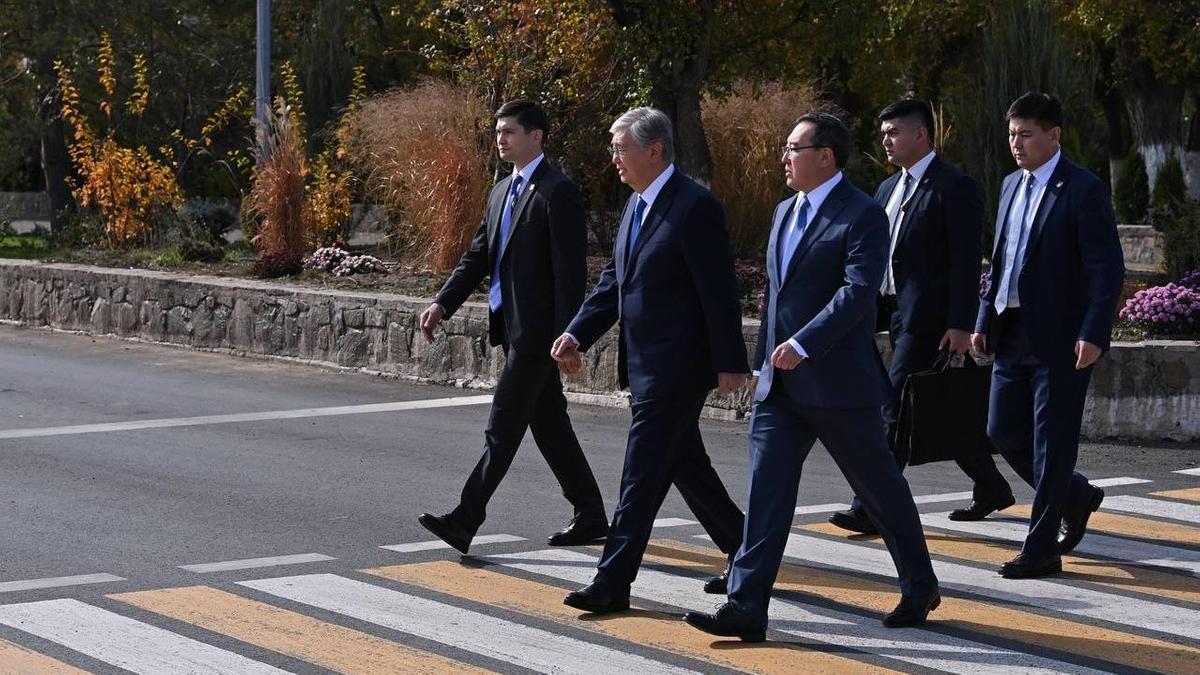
(1128, 600)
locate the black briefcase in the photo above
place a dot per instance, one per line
(944, 411)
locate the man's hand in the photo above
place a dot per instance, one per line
(785, 358)
(429, 320)
(1086, 354)
(727, 383)
(566, 352)
(957, 341)
(979, 344)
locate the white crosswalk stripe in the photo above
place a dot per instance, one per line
(1093, 543)
(514, 643)
(123, 642)
(1158, 508)
(917, 646)
(1056, 596)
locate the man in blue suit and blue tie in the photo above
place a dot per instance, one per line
(820, 378)
(671, 286)
(1057, 270)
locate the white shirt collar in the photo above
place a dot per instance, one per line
(922, 165)
(527, 172)
(1043, 172)
(656, 187)
(818, 194)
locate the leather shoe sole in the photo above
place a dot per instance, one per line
(586, 602)
(979, 511)
(1021, 570)
(904, 616)
(445, 530)
(847, 520)
(712, 625)
(576, 535)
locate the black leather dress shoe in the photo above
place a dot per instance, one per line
(728, 621)
(912, 611)
(1075, 520)
(718, 585)
(580, 531)
(1024, 567)
(444, 528)
(598, 599)
(981, 510)
(855, 521)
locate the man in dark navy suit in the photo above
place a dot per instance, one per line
(820, 378)
(1057, 270)
(533, 244)
(930, 291)
(671, 285)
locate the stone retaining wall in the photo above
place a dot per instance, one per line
(1145, 392)
(1142, 246)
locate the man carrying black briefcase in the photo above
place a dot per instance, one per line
(943, 412)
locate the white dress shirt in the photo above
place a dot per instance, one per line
(1016, 239)
(897, 205)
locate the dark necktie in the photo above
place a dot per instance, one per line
(635, 226)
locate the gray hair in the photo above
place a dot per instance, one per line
(648, 126)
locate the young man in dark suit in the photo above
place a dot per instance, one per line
(671, 285)
(930, 290)
(820, 378)
(1057, 270)
(533, 244)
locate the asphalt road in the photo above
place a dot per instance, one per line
(140, 500)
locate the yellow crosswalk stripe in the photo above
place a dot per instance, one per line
(337, 648)
(979, 617)
(640, 626)
(18, 660)
(1171, 534)
(1189, 494)
(1106, 573)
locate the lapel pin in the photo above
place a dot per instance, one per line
(1058, 184)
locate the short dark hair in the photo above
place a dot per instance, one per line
(1045, 109)
(830, 132)
(528, 114)
(909, 109)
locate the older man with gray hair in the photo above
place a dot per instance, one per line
(672, 289)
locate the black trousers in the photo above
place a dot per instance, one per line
(913, 354)
(529, 395)
(665, 448)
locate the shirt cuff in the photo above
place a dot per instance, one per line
(573, 338)
(799, 350)
(756, 373)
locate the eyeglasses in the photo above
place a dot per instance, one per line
(789, 148)
(620, 150)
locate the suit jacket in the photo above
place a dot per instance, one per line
(543, 263)
(827, 304)
(675, 296)
(1073, 268)
(935, 263)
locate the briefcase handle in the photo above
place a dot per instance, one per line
(945, 361)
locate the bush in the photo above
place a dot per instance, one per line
(340, 263)
(276, 198)
(1169, 186)
(1131, 194)
(745, 131)
(423, 152)
(1180, 225)
(1164, 310)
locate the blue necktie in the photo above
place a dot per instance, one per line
(495, 298)
(1014, 242)
(635, 227)
(791, 237)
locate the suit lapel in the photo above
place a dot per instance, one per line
(523, 198)
(830, 208)
(886, 188)
(1057, 180)
(495, 211)
(918, 193)
(782, 211)
(622, 242)
(1006, 196)
(653, 217)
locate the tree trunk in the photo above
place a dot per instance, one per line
(1191, 150)
(681, 102)
(1156, 118)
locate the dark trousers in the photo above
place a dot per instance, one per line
(665, 448)
(1034, 415)
(529, 395)
(914, 354)
(781, 435)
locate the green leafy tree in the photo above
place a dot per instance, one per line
(1131, 195)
